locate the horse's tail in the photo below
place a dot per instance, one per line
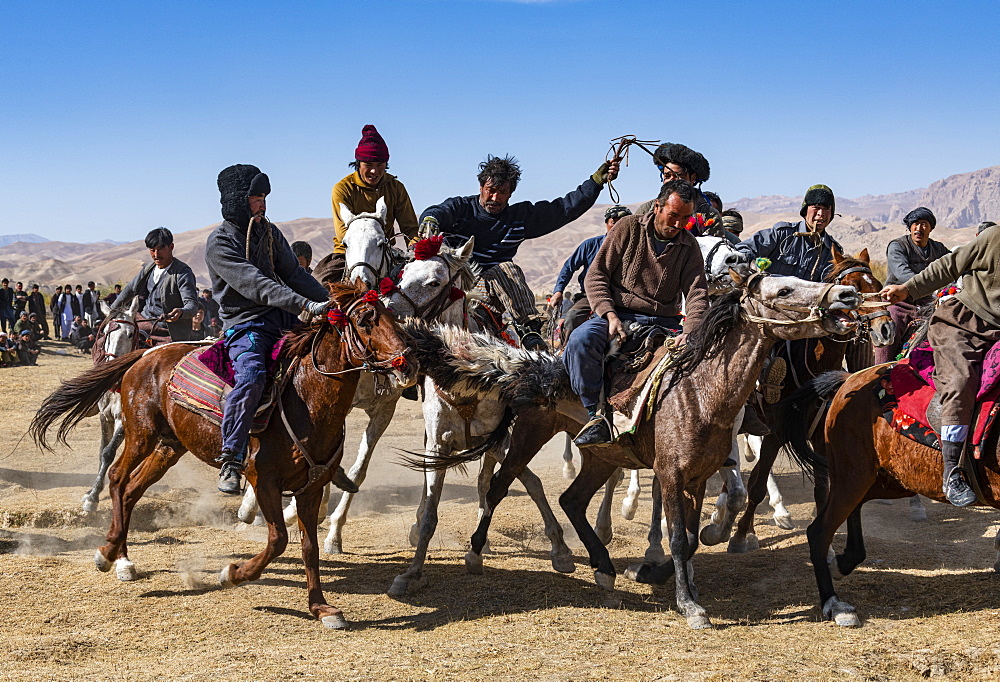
(474, 365)
(440, 462)
(794, 423)
(78, 397)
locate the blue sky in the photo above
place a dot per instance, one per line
(117, 117)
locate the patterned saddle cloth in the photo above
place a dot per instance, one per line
(635, 377)
(203, 378)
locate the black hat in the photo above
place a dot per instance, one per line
(687, 158)
(818, 195)
(236, 184)
(920, 213)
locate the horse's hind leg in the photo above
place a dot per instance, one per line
(568, 470)
(631, 500)
(917, 511)
(782, 517)
(560, 554)
(112, 435)
(854, 550)
(733, 498)
(654, 569)
(745, 539)
(603, 525)
(486, 467)
(308, 504)
(269, 499)
(594, 472)
(433, 486)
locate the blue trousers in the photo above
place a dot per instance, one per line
(587, 346)
(249, 346)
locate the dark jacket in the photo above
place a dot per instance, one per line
(6, 298)
(176, 289)
(793, 251)
(906, 259)
(271, 278)
(499, 236)
(580, 260)
(20, 301)
(36, 303)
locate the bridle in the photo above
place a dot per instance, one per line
(816, 312)
(434, 307)
(722, 280)
(137, 338)
(388, 259)
(864, 321)
(360, 355)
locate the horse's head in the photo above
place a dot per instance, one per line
(366, 246)
(720, 257)
(121, 335)
(369, 336)
(437, 277)
(857, 272)
(790, 308)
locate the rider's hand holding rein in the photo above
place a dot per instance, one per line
(894, 293)
(615, 327)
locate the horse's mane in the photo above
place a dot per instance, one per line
(720, 319)
(298, 341)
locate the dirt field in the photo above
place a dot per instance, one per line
(927, 592)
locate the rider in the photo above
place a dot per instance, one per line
(962, 328)
(581, 260)
(804, 250)
(360, 192)
(732, 222)
(166, 289)
(499, 229)
(260, 288)
(907, 256)
(646, 264)
(677, 162)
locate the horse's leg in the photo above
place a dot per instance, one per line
(603, 526)
(486, 467)
(594, 472)
(843, 501)
(112, 435)
(560, 554)
(996, 547)
(248, 510)
(917, 510)
(631, 500)
(130, 478)
(308, 506)
(568, 471)
(269, 500)
(782, 517)
(681, 514)
(733, 498)
(433, 485)
(654, 569)
(379, 417)
(744, 539)
(854, 550)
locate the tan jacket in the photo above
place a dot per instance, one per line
(360, 198)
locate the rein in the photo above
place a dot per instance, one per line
(815, 311)
(864, 321)
(359, 355)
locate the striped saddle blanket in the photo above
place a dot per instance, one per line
(197, 388)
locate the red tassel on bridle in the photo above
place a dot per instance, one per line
(336, 318)
(426, 249)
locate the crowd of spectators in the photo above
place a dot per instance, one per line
(72, 315)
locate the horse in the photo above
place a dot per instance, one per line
(686, 438)
(326, 358)
(829, 354)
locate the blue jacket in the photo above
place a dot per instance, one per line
(793, 253)
(499, 236)
(581, 258)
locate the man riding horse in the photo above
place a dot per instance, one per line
(500, 228)
(962, 328)
(260, 288)
(638, 277)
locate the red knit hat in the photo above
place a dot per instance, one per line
(372, 146)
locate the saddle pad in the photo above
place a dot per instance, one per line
(195, 387)
(627, 419)
(922, 361)
(625, 388)
(902, 423)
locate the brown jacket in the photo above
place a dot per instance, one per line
(627, 273)
(360, 198)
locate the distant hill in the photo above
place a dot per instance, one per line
(6, 239)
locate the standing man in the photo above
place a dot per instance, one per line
(304, 252)
(360, 192)
(92, 305)
(7, 316)
(646, 265)
(908, 256)
(166, 289)
(36, 306)
(211, 311)
(70, 309)
(55, 308)
(260, 289)
(581, 260)
(113, 296)
(500, 228)
(20, 299)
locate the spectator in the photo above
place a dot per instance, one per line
(69, 309)
(199, 331)
(56, 311)
(211, 311)
(6, 305)
(22, 323)
(92, 305)
(304, 253)
(82, 335)
(27, 349)
(8, 350)
(20, 299)
(36, 306)
(113, 296)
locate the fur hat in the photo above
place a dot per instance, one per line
(920, 213)
(683, 156)
(372, 147)
(617, 211)
(818, 195)
(236, 184)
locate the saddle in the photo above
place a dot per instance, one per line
(635, 373)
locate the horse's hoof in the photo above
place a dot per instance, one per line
(569, 471)
(632, 572)
(563, 563)
(125, 570)
(841, 613)
(333, 547)
(399, 586)
(713, 534)
(89, 504)
(699, 622)
(784, 521)
(884, 501)
(474, 563)
(103, 565)
(225, 577)
(335, 622)
(247, 516)
(414, 534)
(259, 520)
(629, 505)
(996, 567)
(604, 581)
(749, 543)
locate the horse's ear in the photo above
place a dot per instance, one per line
(345, 214)
(736, 277)
(105, 308)
(359, 284)
(381, 209)
(864, 255)
(465, 253)
(134, 308)
(837, 256)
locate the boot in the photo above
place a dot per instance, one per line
(595, 432)
(954, 484)
(342, 481)
(752, 423)
(772, 379)
(231, 474)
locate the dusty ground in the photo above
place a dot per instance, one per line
(927, 594)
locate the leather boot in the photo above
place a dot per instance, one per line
(596, 432)
(231, 477)
(341, 480)
(772, 379)
(954, 484)
(752, 423)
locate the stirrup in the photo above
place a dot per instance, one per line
(772, 379)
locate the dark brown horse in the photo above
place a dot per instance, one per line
(326, 357)
(865, 459)
(828, 354)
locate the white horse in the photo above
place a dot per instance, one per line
(121, 338)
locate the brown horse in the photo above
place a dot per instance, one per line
(326, 358)
(865, 459)
(829, 355)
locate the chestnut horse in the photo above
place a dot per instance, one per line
(298, 451)
(829, 355)
(865, 459)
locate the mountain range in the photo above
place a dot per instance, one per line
(960, 203)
